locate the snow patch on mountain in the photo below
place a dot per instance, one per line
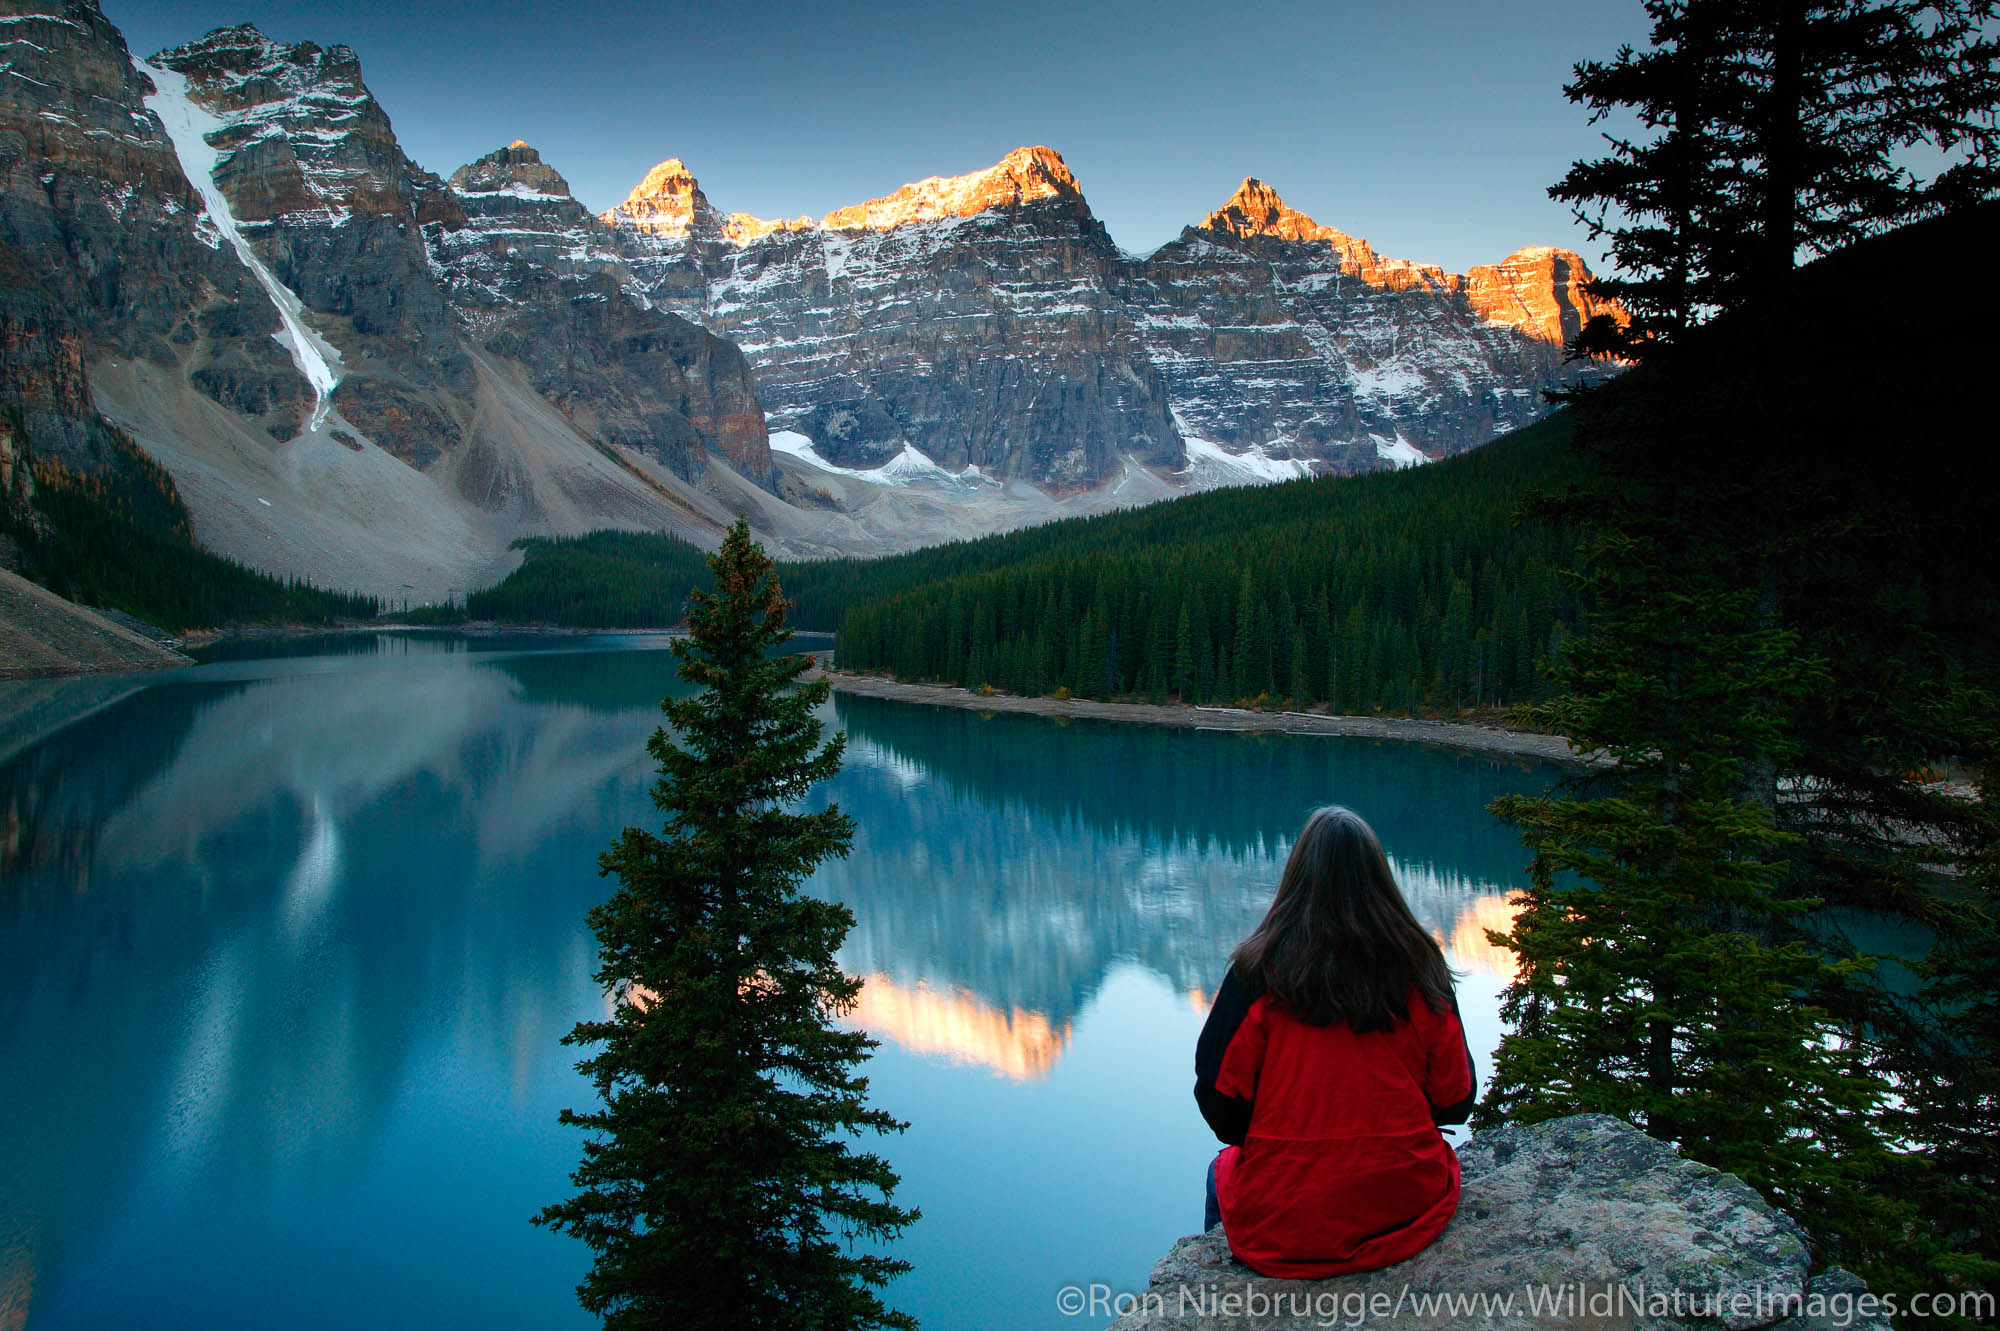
(1211, 466)
(188, 128)
(908, 467)
(1398, 452)
(1388, 381)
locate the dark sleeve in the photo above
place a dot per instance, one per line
(1446, 1115)
(1228, 1116)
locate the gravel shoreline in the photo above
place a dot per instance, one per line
(1453, 734)
(43, 635)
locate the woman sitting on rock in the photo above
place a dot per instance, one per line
(1332, 1054)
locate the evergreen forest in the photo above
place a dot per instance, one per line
(1403, 592)
(1400, 592)
(605, 579)
(118, 536)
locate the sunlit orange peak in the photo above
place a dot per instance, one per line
(667, 201)
(1256, 210)
(1022, 176)
(1540, 290)
(742, 228)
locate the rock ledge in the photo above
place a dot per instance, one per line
(1580, 1221)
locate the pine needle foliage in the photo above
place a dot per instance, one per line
(1771, 131)
(1769, 933)
(1663, 974)
(722, 1187)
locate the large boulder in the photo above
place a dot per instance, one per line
(1582, 1221)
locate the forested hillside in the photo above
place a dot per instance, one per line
(1397, 592)
(1400, 591)
(120, 538)
(606, 579)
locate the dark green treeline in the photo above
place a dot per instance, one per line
(1402, 592)
(606, 579)
(1407, 591)
(119, 537)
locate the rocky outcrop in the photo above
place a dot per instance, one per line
(995, 339)
(1281, 336)
(405, 262)
(517, 227)
(1255, 211)
(1539, 290)
(535, 277)
(103, 254)
(42, 370)
(668, 202)
(1580, 1221)
(1024, 176)
(226, 250)
(987, 320)
(973, 318)
(312, 173)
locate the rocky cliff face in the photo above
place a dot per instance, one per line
(362, 373)
(311, 170)
(531, 272)
(403, 264)
(1281, 336)
(974, 319)
(102, 251)
(349, 378)
(987, 320)
(1539, 290)
(1580, 1221)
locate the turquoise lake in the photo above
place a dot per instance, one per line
(287, 944)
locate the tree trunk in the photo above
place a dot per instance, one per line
(1783, 130)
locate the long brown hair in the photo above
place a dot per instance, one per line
(1339, 942)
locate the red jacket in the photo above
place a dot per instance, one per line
(1335, 1160)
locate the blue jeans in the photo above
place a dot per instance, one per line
(1212, 1212)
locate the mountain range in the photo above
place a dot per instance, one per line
(359, 372)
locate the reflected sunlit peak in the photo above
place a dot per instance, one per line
(961, 1027)
(1469, 944)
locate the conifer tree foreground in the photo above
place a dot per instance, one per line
(1771, 130)
(1793, 655)
(721, 1187)
(1666, 971)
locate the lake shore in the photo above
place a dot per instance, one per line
(43, 635)
(1452, 734)
(472, 628)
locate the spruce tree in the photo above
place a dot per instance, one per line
(1786, 640)
(722, 1187)
(1663, 973)
(1772, 130)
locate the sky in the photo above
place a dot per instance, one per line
(1431, 127)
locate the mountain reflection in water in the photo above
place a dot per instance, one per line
(1017, 862)
(287, 948)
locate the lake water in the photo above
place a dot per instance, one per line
(287, 946)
